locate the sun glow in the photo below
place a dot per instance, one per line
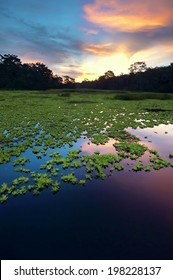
(92, 69)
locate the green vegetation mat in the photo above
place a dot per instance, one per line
(40, 122)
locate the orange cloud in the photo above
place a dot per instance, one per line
(99, 49)
(27, 58)
(127, 15)
(106, 49)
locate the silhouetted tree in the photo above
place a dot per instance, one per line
(15, 75)
(10, 66)
(69, 82)
(137, 67)
(109, 74)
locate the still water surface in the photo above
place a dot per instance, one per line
(126, 216)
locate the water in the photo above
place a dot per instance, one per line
(126, 216)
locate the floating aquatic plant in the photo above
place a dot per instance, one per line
(82, 182)
(36, 150)
(22, 169)
(131, 148)
(76, 164)
(20, 161)
(55, 187)
(70, 178)
(3, 198)
(3, 188)
(138, 167)
(118, 166)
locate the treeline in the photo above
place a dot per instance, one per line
(17, 75)
(140, 78)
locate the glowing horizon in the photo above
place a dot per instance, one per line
(84, 39)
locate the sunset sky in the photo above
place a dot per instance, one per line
(86, 38)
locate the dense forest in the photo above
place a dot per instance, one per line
(17, 75)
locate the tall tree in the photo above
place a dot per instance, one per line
(10, 66)
(109, 74)
(137, 67)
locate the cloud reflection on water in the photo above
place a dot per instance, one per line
(159, 138)
(90, 148)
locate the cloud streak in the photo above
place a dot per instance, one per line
(36, 42)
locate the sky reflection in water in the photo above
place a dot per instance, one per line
(126, 216)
